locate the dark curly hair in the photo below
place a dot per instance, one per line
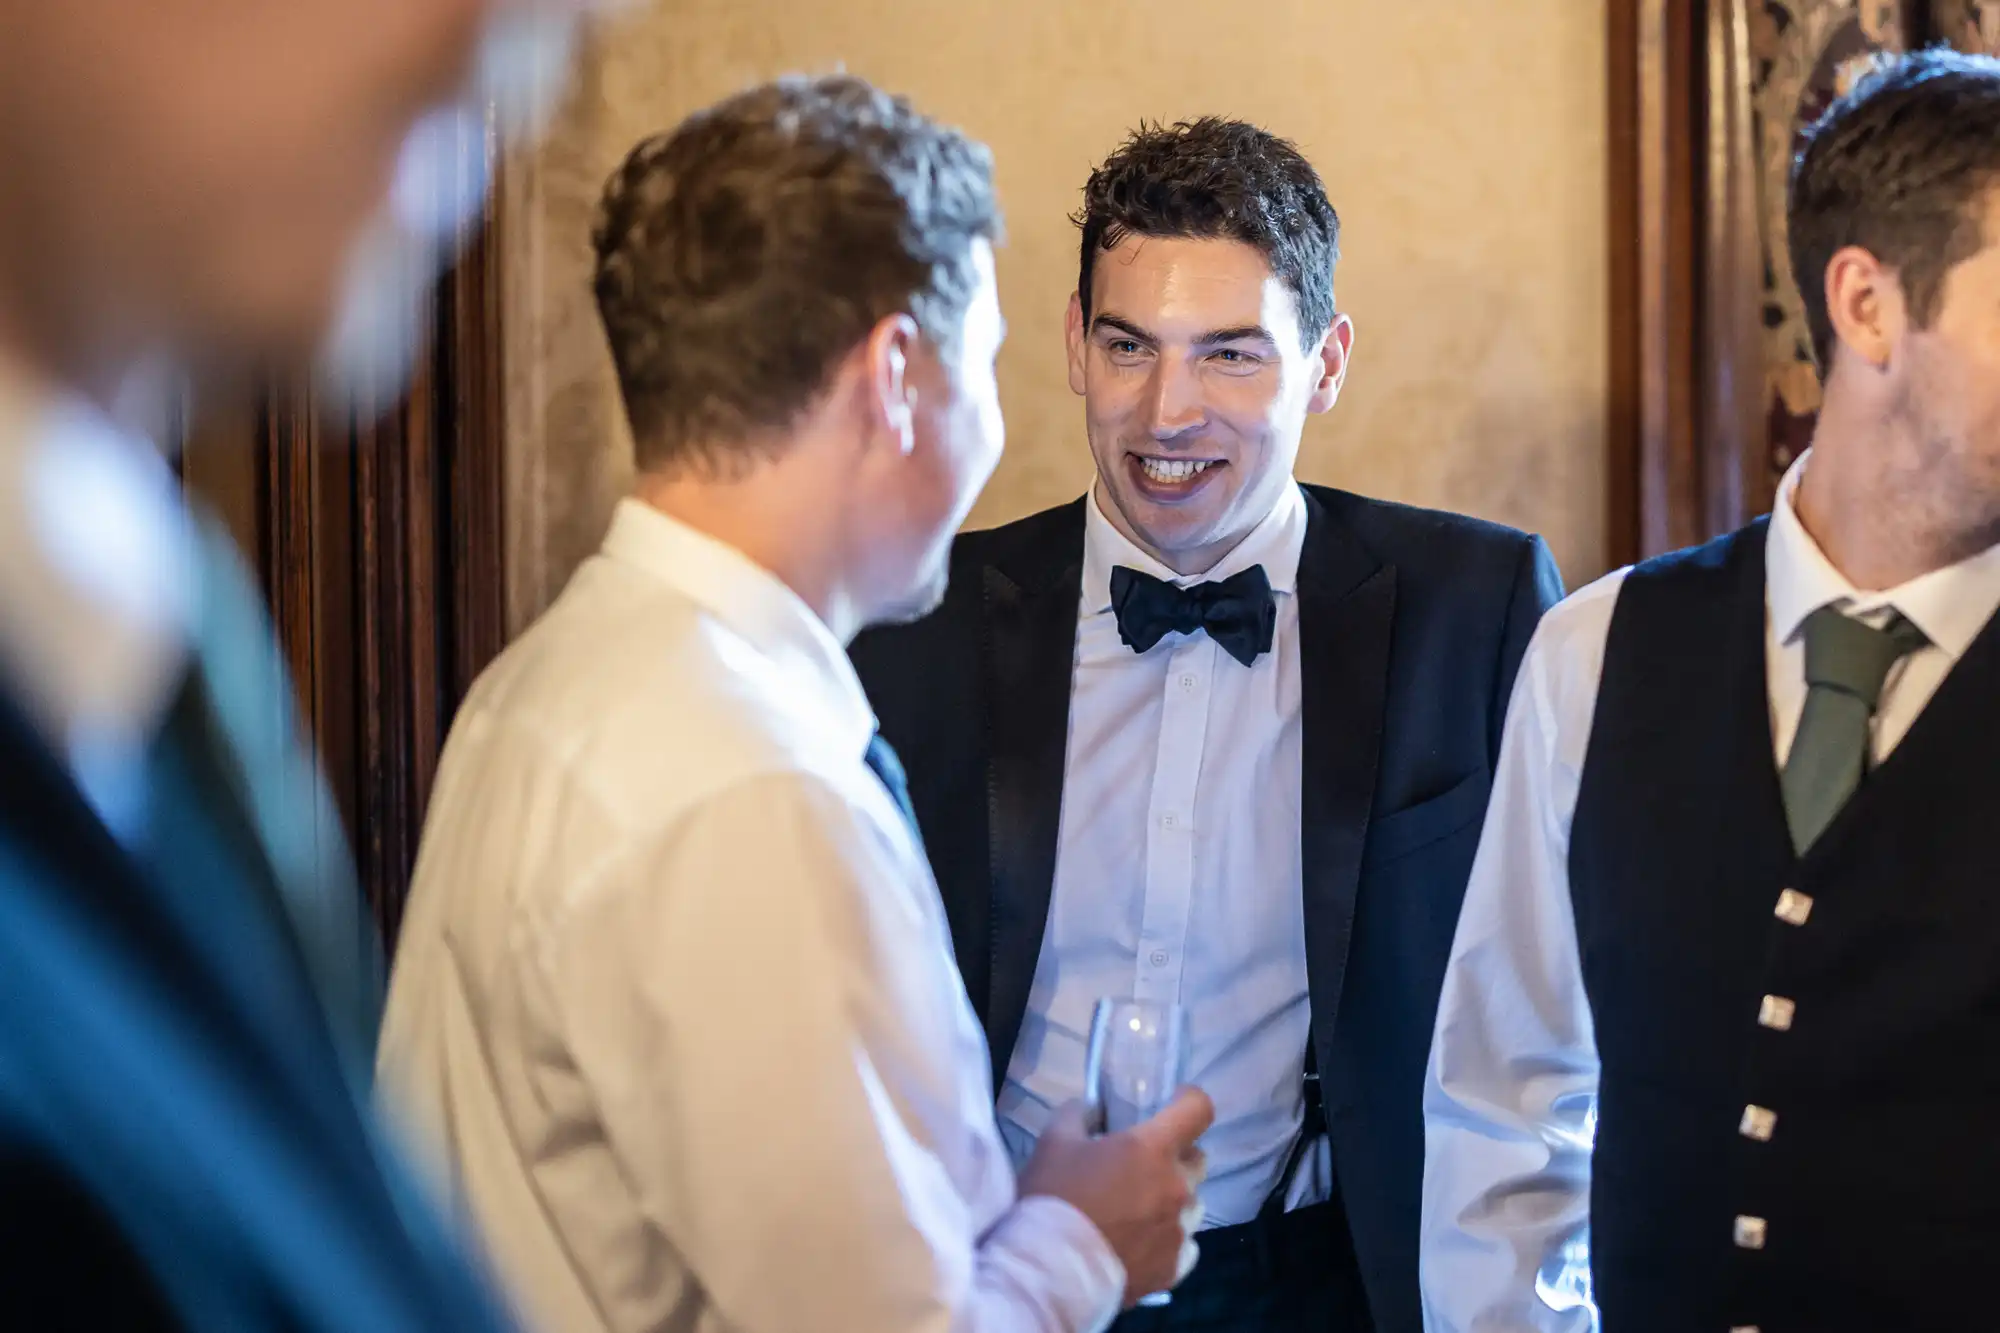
(742, 256)
(1218, 178)
(1899, 167)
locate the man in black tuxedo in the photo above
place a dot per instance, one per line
(1213, 737)
(188, 983)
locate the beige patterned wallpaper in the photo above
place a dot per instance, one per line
(1462, 142)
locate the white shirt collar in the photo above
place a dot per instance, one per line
(98, 570)
(1950, 605)
(1274, 543)
(755, 605)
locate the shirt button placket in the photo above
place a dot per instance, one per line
(1169, 839)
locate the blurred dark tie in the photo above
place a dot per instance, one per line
(883, 763)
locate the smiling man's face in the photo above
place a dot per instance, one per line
(1196, 387)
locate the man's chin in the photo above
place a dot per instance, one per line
(1173, 537)
(1164, 529)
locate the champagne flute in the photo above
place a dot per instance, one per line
(1134, 1065)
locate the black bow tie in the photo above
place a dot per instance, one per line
(1239, 613)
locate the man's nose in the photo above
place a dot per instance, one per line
(1173, 401)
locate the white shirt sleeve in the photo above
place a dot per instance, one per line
(1510, 1096)
(763, 1007)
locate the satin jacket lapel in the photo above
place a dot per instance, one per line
(1347, 606)
(1030, 621)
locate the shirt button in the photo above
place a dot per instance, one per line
(1189, 681)
(1794, 907)
(1159, 958)
(1776, 1013)
(1758, 1123)
(1169, 821)
(1750, 1233)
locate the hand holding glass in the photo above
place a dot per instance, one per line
(1134, 1065)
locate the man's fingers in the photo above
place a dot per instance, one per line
(1182, 1121)
(1071, 1120)
(1194, 1170)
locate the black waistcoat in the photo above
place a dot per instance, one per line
(1799, 1115)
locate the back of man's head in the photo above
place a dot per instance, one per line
(1223, 180)
(743, 256)
(1901, 166)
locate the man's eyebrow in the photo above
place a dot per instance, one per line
(1235, 333)
(1124, 326)
(1240, 333)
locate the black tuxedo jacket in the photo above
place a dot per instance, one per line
(186, 1036)
(1412, 624)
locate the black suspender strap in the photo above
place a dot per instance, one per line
(1312, 1126)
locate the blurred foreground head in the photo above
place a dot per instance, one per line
(193, 176)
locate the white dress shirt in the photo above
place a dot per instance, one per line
(675, 998)
(97, 589)
(1510, 1099)
(1178, 874)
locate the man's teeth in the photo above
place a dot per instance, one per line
(1178, 469)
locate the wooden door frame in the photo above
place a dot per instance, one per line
(1686, 376)
(380, 545)
(1692, 451)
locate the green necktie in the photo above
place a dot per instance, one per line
(1846, 663)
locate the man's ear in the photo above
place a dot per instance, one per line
(1334, 351)
(891, 392)
(1864, 303)
(1073, 335)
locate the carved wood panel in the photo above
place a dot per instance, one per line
(1713, 389)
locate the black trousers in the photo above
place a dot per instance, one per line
(1284, 1273)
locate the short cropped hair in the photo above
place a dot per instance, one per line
(741, 257)
(1214, 178)
(1899, 167)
